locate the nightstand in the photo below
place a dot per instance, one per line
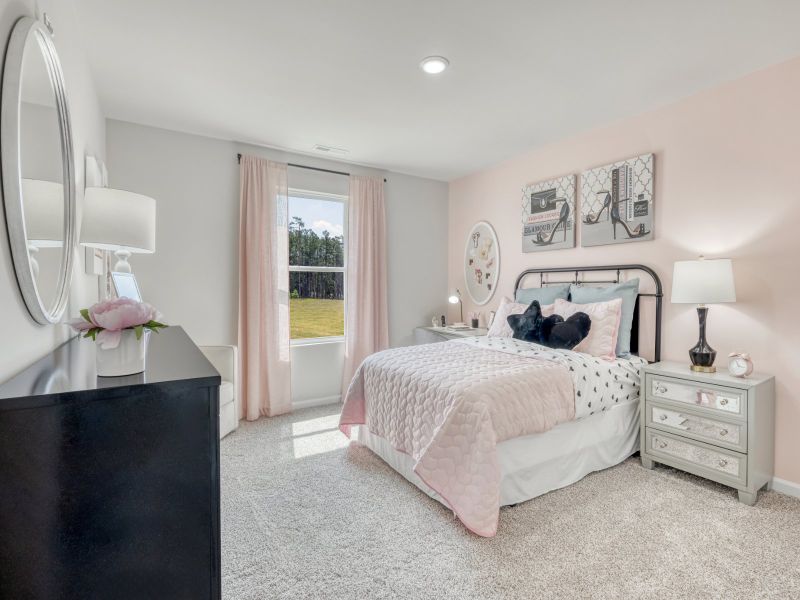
(429, 335)
(711, 424)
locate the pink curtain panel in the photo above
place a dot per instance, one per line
(366, 313)
(264, 358)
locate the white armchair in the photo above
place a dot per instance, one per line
(225, 361)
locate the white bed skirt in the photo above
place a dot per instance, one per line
(533, 465)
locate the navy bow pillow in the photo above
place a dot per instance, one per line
(552, 331)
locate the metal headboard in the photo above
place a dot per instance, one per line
(576, 271)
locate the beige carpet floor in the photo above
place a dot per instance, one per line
(305, 515)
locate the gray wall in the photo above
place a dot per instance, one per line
(23, 341)
(193, 275)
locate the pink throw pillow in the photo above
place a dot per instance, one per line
(500, 326)
(602, 339)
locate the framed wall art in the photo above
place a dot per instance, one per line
(548, 215)
(617, 202)
(481, 262)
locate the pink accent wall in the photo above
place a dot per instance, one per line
(727, 185)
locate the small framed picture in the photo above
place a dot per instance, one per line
(126, 286)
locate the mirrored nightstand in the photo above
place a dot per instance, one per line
(711, 424)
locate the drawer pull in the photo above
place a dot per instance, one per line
(661, 389)
(662, 444)
(723, 432)
(723, 402)
(722, 462)
(663, 417)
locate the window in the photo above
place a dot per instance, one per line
(316, 265)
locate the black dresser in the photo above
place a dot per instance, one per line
(109, 487)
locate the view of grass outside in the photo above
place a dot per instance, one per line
(312, 317)
(316, 240)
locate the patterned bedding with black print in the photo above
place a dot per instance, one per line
(599, 384)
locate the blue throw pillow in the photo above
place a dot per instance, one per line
(545, 295)
(583, 294)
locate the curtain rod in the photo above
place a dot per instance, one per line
(239, 159)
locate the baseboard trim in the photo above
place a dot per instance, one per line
(790, 488)
(310, 403)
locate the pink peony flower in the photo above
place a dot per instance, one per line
(121, 313)
(80, 324)
(110, 317)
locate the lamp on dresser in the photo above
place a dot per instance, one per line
(703, 282)
(120, 221)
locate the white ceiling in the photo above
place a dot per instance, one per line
(294, 73)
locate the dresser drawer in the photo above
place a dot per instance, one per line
(714, 463)
(715, 399)
(697, 424)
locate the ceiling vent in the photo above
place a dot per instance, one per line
(330, 149)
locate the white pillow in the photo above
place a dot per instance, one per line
(602, 339)
(500, 326)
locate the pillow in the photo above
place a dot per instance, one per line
(500, 326)
(602, 339)
(545, 295)
(627, 291)
(552, 331)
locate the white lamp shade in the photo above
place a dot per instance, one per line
(118, 220)
(43, 203)
(703, 281)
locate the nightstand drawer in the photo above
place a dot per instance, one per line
(697, 424)
(714, 461)
(717, 399)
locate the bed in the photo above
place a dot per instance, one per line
(484, 422)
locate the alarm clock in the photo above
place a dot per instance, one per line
(740, 364)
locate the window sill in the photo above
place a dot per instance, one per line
(320, 341)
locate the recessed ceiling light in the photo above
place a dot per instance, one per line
(433, 65)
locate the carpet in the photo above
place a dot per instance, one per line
(306, 514)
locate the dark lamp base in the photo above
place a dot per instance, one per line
(702, 355)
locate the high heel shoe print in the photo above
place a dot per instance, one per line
(562, 222)
(591, 219)
(637, 231)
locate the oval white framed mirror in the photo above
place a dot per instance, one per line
(38, 170)
(481, 262)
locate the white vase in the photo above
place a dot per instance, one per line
(126, 359)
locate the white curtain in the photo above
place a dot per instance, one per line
(264, 357)
(366, 314)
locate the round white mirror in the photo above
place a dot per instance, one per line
(38, 170)
(481, 263)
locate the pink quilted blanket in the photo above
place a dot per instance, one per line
(448, 405)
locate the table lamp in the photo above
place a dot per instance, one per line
(703, 282)
(456, 299)
(120, 221)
